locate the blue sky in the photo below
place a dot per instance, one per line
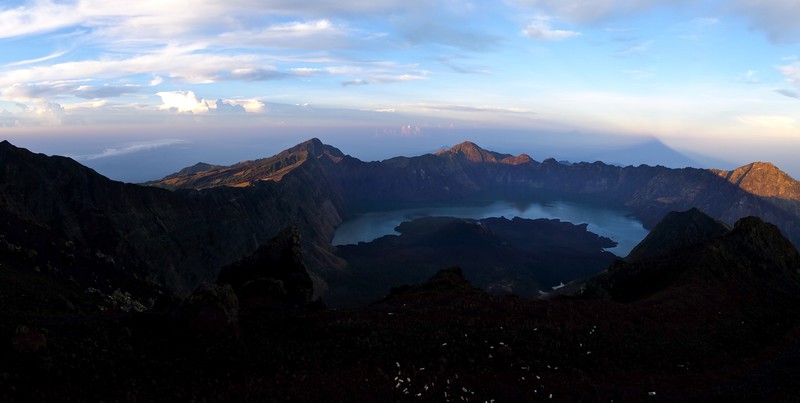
(140, 89)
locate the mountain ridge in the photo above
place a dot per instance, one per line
(474, 153)
(752, 254)
(763, 179)
(703, 311)
(246, 173)
(316, 187)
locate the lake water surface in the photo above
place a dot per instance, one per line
(617, 224)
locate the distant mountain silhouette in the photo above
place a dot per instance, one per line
(649, 151)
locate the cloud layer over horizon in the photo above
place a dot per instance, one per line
(679, 70)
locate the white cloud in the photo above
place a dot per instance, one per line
(85, 105)
(791, 73)
(183, 101)
(788, 93)
(776, 18)
(590, 11)
(40, 114)
(769, 121)
(473, 108)
(319, 34)
(37, 60)
(635, 49)
(188, 101)
(43, 16)
(354, 82)
(133, 148)
(749, 77)
(249, 105)
(228, 108)
(305, 71)
(540, 29)
(180, 63)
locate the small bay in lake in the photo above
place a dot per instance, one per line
(617, 224)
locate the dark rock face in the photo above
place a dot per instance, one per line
(723, 328)
(753, 258)
(28, 340)
(678, 230)
(447, 280)
(177, 239)
(275, 272)
(212, 310)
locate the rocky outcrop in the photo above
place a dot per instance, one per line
(178, 239)
(763, 179)
(273, 274)
(211, 310)
(247, 173)
(470, 151)
(678, 230)
(753, 258)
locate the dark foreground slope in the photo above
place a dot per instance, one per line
(175, 239)
(724, 327)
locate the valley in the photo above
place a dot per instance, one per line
(233, 282)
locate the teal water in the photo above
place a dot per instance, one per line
(616, 224)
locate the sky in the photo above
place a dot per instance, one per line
(137, 90)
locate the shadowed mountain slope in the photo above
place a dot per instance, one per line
(691, 254)
(677, 230)
(183, 237)
(722, 324)
(178, 239)
(465, 169)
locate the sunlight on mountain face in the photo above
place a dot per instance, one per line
(552, 80)
(177, 224)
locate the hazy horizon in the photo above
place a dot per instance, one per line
(140, 91)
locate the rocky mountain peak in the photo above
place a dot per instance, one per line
(275, 271)
(474, 153)
(470, 151)
(763, 179)
(677, 230)
(243, 174)
(315, 148)
(752, 233)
